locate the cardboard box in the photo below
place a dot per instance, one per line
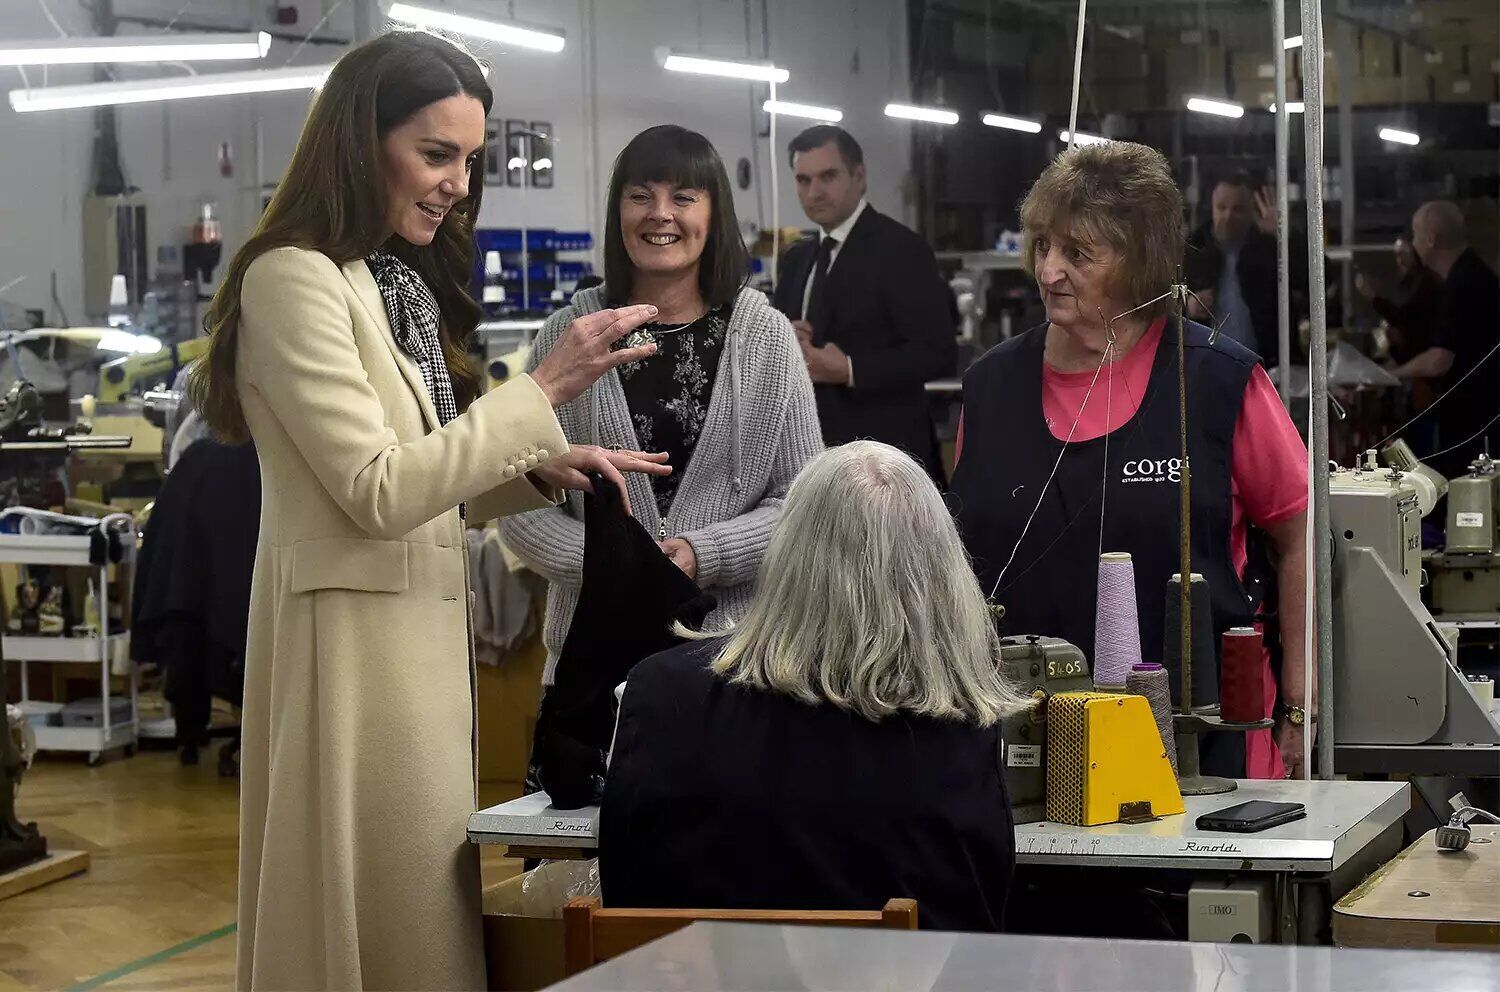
(523, 944)
(1379, 54)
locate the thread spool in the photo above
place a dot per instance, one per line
(1152, 681)
(1117, 629)
(1483, 688)
(1242, 693)
(1203, 658)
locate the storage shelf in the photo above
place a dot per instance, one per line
(46, 549)
(90, 739)
(83, 649)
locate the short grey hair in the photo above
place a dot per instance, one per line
(868, 601)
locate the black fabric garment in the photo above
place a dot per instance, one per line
(1203, 264)
(1468, 325)
(1052, 586)
(190, 606)
(630, 596)
(725, 796)
(886, 305)
(668, 394)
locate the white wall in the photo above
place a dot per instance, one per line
(599, 92)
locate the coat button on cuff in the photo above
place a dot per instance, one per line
(531, 461)
(510, 472)
(541, 454)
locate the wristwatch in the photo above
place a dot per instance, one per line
(1295, 715)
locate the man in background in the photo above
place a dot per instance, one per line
(871, 310)
(1462, 356)
(1230, 264)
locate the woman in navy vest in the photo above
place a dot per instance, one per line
(1085, 408)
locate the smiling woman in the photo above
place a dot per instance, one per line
(339, 345)
(727, 398)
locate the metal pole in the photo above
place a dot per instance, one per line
(773, 160)
(1283, 250)
(1083, 7)
(1312, 130)
(1347, 71)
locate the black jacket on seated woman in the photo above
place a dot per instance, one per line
(747, 776)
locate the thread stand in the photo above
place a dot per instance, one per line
(1187, 727)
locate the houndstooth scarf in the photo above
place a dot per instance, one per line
(414, 316)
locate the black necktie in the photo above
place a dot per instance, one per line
(813, 312)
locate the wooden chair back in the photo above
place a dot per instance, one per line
(592, 934)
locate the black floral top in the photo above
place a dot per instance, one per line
(668, 393)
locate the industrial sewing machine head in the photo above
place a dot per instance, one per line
(1466, 573)
(1395, 676)
(1039, 667)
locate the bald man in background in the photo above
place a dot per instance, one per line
(1462, 356)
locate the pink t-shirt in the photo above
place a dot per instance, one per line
(1268, 473)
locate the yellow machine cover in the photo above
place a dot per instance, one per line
(1104, 752)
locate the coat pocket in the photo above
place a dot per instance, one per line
(349, 563)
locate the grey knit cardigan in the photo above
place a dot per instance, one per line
(762, 427)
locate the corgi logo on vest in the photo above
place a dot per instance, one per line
(1152, 470)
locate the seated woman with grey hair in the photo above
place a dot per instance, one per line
(840, 747)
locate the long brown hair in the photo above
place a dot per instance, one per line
(667, 153)
(332, 199)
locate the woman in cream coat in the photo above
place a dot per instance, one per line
(338, 347)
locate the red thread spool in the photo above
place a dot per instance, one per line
(1242, 687)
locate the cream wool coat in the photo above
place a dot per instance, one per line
(357, 774)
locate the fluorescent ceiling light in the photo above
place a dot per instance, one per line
(516, 163)
(1219, 108)
(150, 48)
(176, 88)
(932, 115)
(1292, 107)
(541, 164)
(1398, 136)
(759, 71)
(542, 39)
(1295, 41)
(785, 109)
(1083, 138)
(1013, 123)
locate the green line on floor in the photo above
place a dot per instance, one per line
(187, 945)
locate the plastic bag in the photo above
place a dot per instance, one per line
(547, 888)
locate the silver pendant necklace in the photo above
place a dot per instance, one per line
(641, 336)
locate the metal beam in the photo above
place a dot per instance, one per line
(1322, 574)
(1283, 249)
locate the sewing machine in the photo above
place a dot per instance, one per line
(1465, 574)
(1396, 681)
(135, 374)
(1040, 667)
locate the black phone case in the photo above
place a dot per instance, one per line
(1215, 821)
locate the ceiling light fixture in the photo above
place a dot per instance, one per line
(1082, 138)
(783, 108)
(176, 88)
(506, 32)
(1396, 135)
(755, 71)
(1013, 123)
(931, 115)
(150, 48)
(1219, 108)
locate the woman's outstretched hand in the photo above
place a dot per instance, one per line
(571, 471)
(583, 352)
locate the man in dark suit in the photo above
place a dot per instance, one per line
(871, 310)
